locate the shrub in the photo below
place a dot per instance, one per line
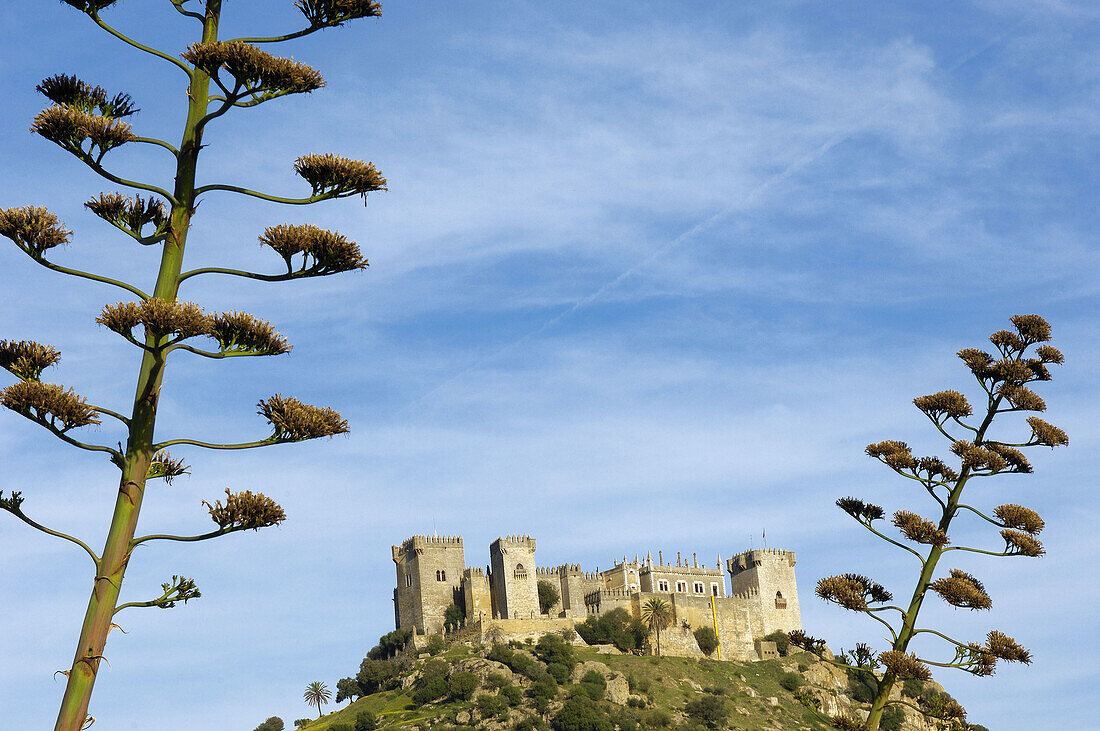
(781, 640)
(512, 694)
(635, 703)
(791, 681)
(492, 706)
(453, 617)
(462, 684)
(581, 713)
(594, 685)
(542, 693)
(432, 689)
(806, 698)
(376, 675)
(548, 595)
(707, 640)
(532, 724)
(912, 687)
(495, 681)
(390, 644)
(436, 644)
(710, 709)
(366, 721)
(341, 726)
(616, 627)
(862, 686)
(568, 634)
(301, 722)
(272, 724)
(803, 667)
(892, 719)
(554, 649)
(659, 719)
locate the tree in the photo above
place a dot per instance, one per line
(89, 122)
(656, 614)
(548, 596)
(707, 640)
(347, 689)
(317, 693)
(453, 617)
(1003, 379)
(365, 721)
(272, 724)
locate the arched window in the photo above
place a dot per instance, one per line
(441, 575)
(780, 602)
(520, 572)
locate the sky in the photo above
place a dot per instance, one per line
(647, 276)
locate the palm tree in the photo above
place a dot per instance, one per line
(316, 694)
(656, 613)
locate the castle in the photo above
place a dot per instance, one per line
(502, 599)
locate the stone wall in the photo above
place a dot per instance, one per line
(476, 594)
(429, 579)
(514, 578)
(763, 579)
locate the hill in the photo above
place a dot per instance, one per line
(554, 685)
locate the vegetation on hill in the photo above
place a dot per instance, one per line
(551, 685)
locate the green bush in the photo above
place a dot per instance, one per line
(635, 703)
(659, 719)
(594, 685)
(616, 627)
(581, 713)
(495, 681)
(436, 645)
(376, 675)
(781, 640)
(707, 640)
(542, 693)
(512, 694)
(272, 724)
(548, 595)
(710, 709)
(390, 645)
(462, 685)
(432, 689)
(791, 681)
(912, 687)
(806, 698)
(301, 722)
(862, 686)
(492, 706)
(366, 721)
(892, 719)
(553, 649)
(340, 726)
(453, 617)
(532, 724)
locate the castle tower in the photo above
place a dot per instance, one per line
(765, 577)
(429, 580)
(513, 581)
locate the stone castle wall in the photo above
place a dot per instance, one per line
(514, 578)
(763, 579)
(429, 580)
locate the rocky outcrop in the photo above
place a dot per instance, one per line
(618, 688)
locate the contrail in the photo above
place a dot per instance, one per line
(707, 223)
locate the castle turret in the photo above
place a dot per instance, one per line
(513, 579)
(429, 580)
(765, 577)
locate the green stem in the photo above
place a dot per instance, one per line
(186, 539)
(57, 534)
(240, 273)
(73, 713)
(140, 46)
(159, 143)
(210, 445)
(266, 196)
(88, 275)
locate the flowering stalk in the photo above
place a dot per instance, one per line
(1003, 379)
(89, 123)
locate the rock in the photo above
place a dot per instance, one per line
(751, 693)
(607, 650)
(483, 668)
(773, 700)
(694, 685)
(463, 717)
(618, 688)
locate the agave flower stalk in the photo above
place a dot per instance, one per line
(1022, 358)
(89, 123)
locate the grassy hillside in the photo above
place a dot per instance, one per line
(556, 686)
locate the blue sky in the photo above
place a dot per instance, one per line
(648, 276)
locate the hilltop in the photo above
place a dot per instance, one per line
(555, 685)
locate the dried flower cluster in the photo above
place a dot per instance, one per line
(962, 590)
(253, 70)
(861, 511)
(1019, 517)
(807, 642)
(240, 332)
(162, 465)
(160, 318)
(852, 591)
(321, 13)
(1032, 328)
(337, 176)
(845, 722)
(919, 529)
(245, 510)
(1022, 398)
(48, 403)
(323, 252)
(1005, 648)
(905, 665)
(1021, 544)
(1046, 434)
(1049, 354)
(294, 421)
(977, 457)
(71, 128)
(1016, 460)
(11, 504)
(131, 214)
(69, 91)
(934, 469)
(179, 589)
(894, 453)
(26, 358)
(90, 6)
(33, 229)
(944, 403)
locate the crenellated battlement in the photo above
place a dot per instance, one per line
(423, 542)
(524, 541)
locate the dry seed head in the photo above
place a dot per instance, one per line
(241, 332)
(1046, 434)
(1012, 371)
(245, 510)
(26, 358)
(33, 229)
(844, 722)
(859, 510)
(905, 666)
(1021, 544)
(962, 590)
(1050, 354)
(162, 465)
(334, 175)
(977, 660)
(848, 593)
(70, 128)
(90, 6)
(253, 69)
(294, 421)
(950, 403)
(1005, 648)
(1019, 517)
(48, 403)
(919, 529)
(1032, 328)
(128, 213)
(70, 91)
(978, 361)
(1015, 458)
(324, 252)
(894, 453)
(1007, 340)
(160, 317)
(334, 12)
(978, 458)
(936, 469)
(1039, 372)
